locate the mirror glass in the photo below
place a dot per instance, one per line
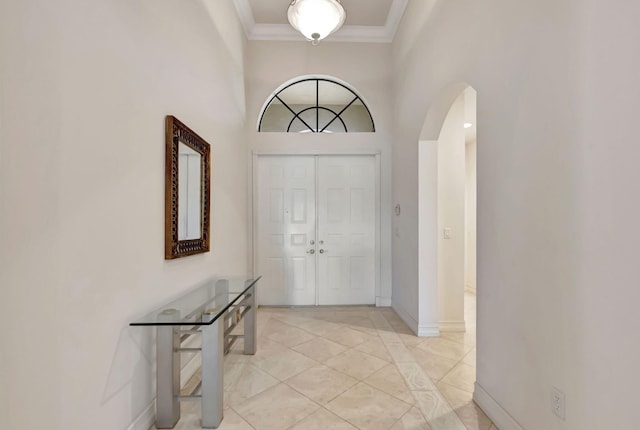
(189, 193)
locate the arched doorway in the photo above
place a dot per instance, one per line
(447, 214)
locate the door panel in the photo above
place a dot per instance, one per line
(339, 269)
(285, 226)
(346, 230)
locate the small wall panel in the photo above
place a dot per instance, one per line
(357, 273)
(357, 205)
(274, 273)
(276, 206)
(299, 273)
(298, 239)
(335, 205)
(299, 206)
(335, 269)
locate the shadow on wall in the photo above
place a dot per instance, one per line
(133, 366)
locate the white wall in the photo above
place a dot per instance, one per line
(557, 178)
(424, 297)
(451, 180)
(470, 214)
(366, 67)
(471, 189)
(606, 293)
(29, 218)
(85, 87)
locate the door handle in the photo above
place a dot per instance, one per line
(312, 251)
(322, 251)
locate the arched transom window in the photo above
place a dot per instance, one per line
(315, 105)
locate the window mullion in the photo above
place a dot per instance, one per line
(302, 96)
(295, 115)
(338, 114)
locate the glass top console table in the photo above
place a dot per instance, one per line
(211, 310)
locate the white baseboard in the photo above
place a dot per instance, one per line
(146, 419)
(404, 315)
(383, 302)
(453, 326)
(428, 331)
(494, 411)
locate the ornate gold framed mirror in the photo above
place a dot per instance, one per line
(187, 188)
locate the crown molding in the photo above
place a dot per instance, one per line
(396, 11)
(348, 33)
(246, 15)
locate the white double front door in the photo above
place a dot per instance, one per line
(316, 229)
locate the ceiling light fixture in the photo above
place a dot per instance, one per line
(467, 125)
(316, 19)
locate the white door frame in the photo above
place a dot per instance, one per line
(253, 209)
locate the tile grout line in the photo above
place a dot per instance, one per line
(321, 406)
(358, 381)
(389, 394)
(461, 360)
(409, 411)
(241, 417)
(389, 337)
(454, 366)
(333, 398)
(456, 422)
(318, 364)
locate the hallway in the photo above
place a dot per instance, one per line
(348, 368)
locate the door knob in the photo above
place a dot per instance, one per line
(312, 251)
(322, 251)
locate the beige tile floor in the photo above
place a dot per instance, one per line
(348, 368)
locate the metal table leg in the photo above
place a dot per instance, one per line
(250, 324)
(212, 373)
(167, 377)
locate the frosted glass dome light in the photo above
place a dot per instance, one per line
(316, 19)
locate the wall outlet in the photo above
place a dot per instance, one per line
(558, 403)
(447, 233)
